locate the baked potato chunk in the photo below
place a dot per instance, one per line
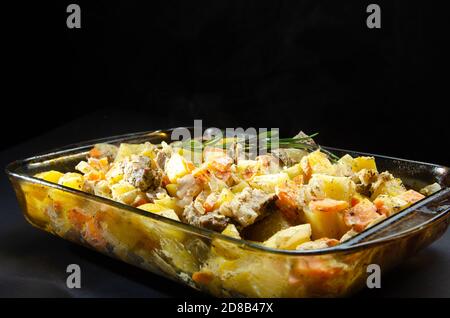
(326, 217)
(336, 188)
(290, 238)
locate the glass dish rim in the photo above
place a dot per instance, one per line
(11, 171)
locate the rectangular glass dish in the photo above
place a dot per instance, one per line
(235, 268)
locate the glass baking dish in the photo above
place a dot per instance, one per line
(218, 264)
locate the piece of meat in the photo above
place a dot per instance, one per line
(162, 156)
(308, 141)
(212, 220)
(248, 206)
(289, 156)
(188, 188)
(137, 171)
(364, 179)
(268, 164)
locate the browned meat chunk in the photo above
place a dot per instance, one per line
(289, 156)
(212, 220)
(248, 206)
(162, 156)
(137, 171)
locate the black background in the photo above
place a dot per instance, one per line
(135, 65)
(311, 65)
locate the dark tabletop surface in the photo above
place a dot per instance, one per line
(33, 263)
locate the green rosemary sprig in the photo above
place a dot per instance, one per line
(266, 141)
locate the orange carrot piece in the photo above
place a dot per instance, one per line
(202, 277)
(95, 153)
(411, 196)
(328, 205)
(78, 218)
(359, 216)
(288, 205)
(93, 234)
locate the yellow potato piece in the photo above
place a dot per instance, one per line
(121, 188)
(37, 201)
(232, 231)
(72, 180)
(239, 187)
(225, 196)
(167, 231)
(243, 166)
(169, 203)
(317, 162)
(290, 238)
(226, 249)
(176, 168)
(269, 182)
(360, 163)
(344, 166)
(51, 176)
(126, 150)
(294, 171)
(337, 188)
(325, 223)
(172, 189)
(256, 276)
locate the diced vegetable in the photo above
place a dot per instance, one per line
(430, 189)
(225, 196)
(360, 163)
(387, 205)
(411, 196)
(172, 189)
(387, 185)
(326, 217)
(72, 180)
(226, 249)
(344, 166)
(290, 238)
(361, 215)
(239, 187)
(247, 168)
(232, 231)
(176, 168)
(51, 176)
(269, 182)
(126, 150)
(294, 171)
(262, 230)
(169, 203)
(316, 162)
(337, 188)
